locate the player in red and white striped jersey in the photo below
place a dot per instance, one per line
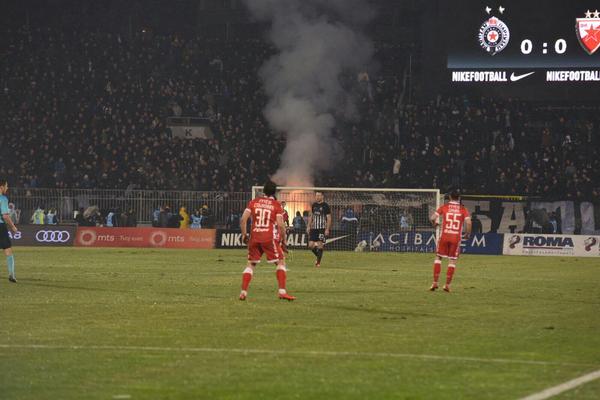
(454, 216)
(266, 237)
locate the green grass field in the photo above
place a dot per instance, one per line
(165, 324)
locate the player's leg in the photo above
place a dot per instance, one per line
(437, 269)
(274, 253)
(254, 254)
(320, 248)
(312, 241)
(10, 262)
(281, 273)
(442, 251)
(246, 278)
(453, 259)
(317, 237)
(6, 246)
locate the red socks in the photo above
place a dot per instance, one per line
(281, 275)
(246, 278)
(437, 268)
(450, 273)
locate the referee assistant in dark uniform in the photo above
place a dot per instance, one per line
(5, 224)
(319, 224)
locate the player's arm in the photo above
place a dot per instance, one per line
(281, 227)
(328, 226)
(309, 223)
(468, 227)
(435, 219)
(244, 224)
(9, 222)
(5, 214)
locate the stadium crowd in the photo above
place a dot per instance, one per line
(88, 110)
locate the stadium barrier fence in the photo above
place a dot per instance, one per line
(498, 214)
(143, 202)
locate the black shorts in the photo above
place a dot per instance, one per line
(316, 235)
(4, 238)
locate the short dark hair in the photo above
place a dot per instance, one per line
(318, 191)
(270, 188)
(454, 194)
(3, 181)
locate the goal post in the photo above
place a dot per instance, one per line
(364, 219)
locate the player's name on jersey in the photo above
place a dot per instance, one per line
(479, 76)
(265, 203)
(573, 76)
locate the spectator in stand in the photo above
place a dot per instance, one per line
(207, 219)
(164, 217)
(185, 218)
(38, 217)
(122, 219)
(476, 224)
(51, 217)
(305, 217)
(233, 220)
(404, 225)
(299, 223)
(14, 213)
(156, 217)
(553, 223)
(111, 219)
(90, 112)
(174, 220)
(286, 216)
(131, 218)
(79, 219)
(196, 220)
(349, 221)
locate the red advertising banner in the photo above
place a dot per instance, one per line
(168, 238)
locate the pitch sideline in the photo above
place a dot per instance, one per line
(295, 352)
(563, 387)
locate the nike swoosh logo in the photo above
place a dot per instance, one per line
(335, 239)
(515, 78)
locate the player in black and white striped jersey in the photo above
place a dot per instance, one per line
(319, 225)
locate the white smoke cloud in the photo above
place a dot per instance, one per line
(317, 41)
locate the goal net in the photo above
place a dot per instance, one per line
(364, 219)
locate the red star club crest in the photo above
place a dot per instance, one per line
(588, 31)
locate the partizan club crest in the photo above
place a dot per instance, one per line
(588, 31)
(494, 34)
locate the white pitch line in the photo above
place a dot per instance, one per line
(292, 352)
(563, 387)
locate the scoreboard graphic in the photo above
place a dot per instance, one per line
(520, 42)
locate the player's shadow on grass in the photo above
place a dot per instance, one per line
(90, 289)
(371, 310)
(340, 291)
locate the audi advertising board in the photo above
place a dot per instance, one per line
(170, 238)
(43, 235)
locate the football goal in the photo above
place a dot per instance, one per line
(362, 219)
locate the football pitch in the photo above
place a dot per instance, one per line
(167, 324)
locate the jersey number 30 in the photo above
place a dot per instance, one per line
(263, 216)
